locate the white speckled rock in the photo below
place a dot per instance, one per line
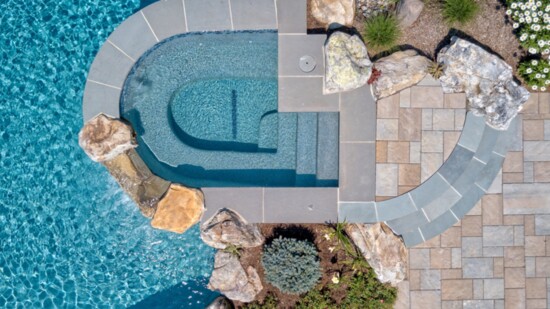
(347, 63)
(221, 302)
(485, 78)
(103, 138)
(408, 12)
(327, 12)
(384, 251)
(398, 71)
(232, 281)
(227, 227)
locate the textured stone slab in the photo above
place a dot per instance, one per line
(410, 124)
(472, 131)
(387, 129)
(293, 47)
(300, 205)
(429, 190)
(477, 267)
(395, 207)
(357, 212)
(357, 172)
(167, 18)
(441, 204)
(443, 119)
(427, 97)
(457, 289)
(478, 303)
(472, 247)
(125, 36)
(536, 151)
(248, 202)
(357, 116)
(438, 226)
(456, 164)
(100, 99)
(305, 94)
(412, 238)
(522, 199)
(386, 182)
(498, 236)
(110, 66)
(542, 224)
(487, 175)
(429, 164)
(253, 14)
(291, 15)
(408, 223)
(487, 143)
(209, 15)
(493, 288)
(432, 141)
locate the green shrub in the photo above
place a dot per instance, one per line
(381, 31)
(459, 11)
(536, 73)
(291, 265)
(270, 302)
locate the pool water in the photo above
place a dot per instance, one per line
(69, 237)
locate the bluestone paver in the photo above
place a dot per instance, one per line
(124, 36)
(477, 267)
(357, 116)
(110, 66)
(248, 202)
(167, 18)
(247, 16)
(498, 235)
(100, 99)
(357, 172)
(293, 47)
(300, 205)
(291, 15)
(212, 15)
(293, 98)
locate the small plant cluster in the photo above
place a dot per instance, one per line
(531, 19)
(459, 11)
(436, 69)
(375, 74)
(291, 265)
(381, 31)
(536, 73)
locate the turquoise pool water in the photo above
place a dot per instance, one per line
(68, 236)
(204, 106)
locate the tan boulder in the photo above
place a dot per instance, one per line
(328, 12)
(103, 138)
(384, 251)
(227, 227)
(135, 178)
(179, 209)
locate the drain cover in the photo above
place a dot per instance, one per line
(307, 63)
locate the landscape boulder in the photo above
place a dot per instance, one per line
(179, 209)
(227, 227)
(485, 78)
(230, 278)
(384, 251)
(408, 12)
(327, 12)
(399, 71)
(103, 138)
(347, 63)
(221, 302)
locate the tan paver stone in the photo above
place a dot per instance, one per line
(544, 103)
(432, 141)
(398, 152)
(492, 209)
(514, 298)
(403, 293)
(533, 130)
(414, 279)
(456, 289)
(496, 186)
(382, 198)
(476, 210)
(535, 246)
(430, 163)
(405, 189)
(460, 118)
(513, 162)
(427, 97)
(387, 129)
(409, 174)
(419, 258)
(388, 107)
(528, 172)
(536, 304)
(471, 226)
(451, 274)
(529, 225)
(405, 98)
(542, 171)
(382, 152)
(514, 278)
(455, 100)
(414, 152)
(451, 304)
(547, 245)
(443, 119)
(425, 299)
(532, 105)
(410, 124)
(440, 258)
(513, 220)
(427, 115)
(512, 177)
(450, 139)
(456, 257)
(434, 242)
(514, 256)
(386, 179)
(535, 288)
(542, 266)
(451, 238)
(498, 267)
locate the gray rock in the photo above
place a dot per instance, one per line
(227, 227)
(221, 303)
(399, 70)
(384, 251)
(370, 8)
(327, 12)
(486, 79)
(408, 12)
(230, 278)
(347, 63)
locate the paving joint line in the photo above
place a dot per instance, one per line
(103, 84)
(149, 25)
(120, 50)
(231, 15)
(185, 16)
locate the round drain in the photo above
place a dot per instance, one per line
(307, 63)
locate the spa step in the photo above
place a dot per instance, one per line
(327, 149)
(268, 139)
(306, 153)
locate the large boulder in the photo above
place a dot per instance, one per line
(408, 12)
(347, 63)
(227, 227)
(485, 78)
(103, 138)
(384, 251)
(137, 181)
(221, 302)
(179, 209)
(399, 71)
(230, 278)
(327, 12)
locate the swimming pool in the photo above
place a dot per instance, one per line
(69, 237)
(204, 106)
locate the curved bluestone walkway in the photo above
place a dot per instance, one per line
(448, 195)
